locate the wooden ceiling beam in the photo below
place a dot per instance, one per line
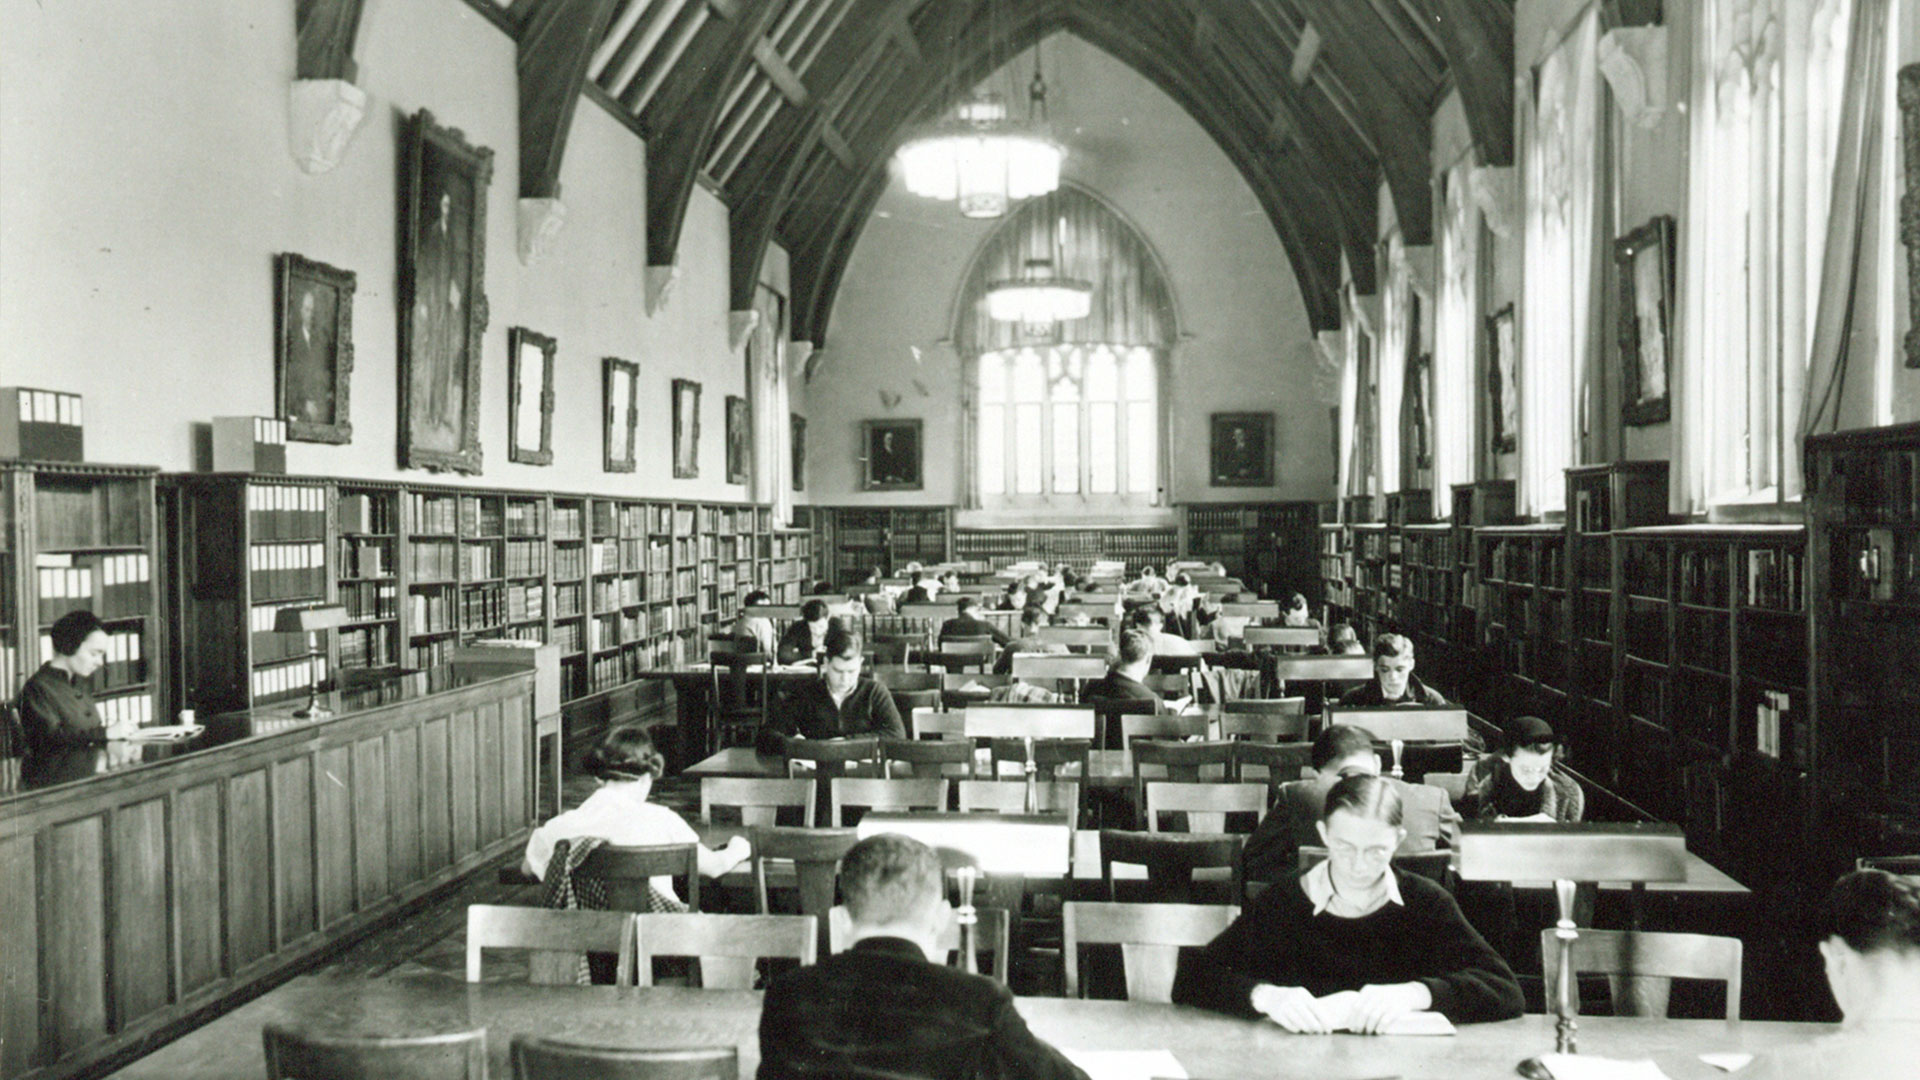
(1418, 49)
(555, 46)
(1477, 36)
(324, 34)
(1323, 78)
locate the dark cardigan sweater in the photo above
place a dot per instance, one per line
(1279, 940)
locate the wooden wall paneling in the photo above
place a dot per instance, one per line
(333, 832)
(199, 947)
(142, 949)
(461, 757)
(369, 821)
(19, 964)
(249, 873)
(403, 807)
(73, 929)
(296, 909)
(516, 753)
(436, 818)
(490, 787)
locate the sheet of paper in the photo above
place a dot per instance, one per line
(161, 734)
(1338, 1010)
(1127, 1064)
(1587, 1067)
(1732, 1061)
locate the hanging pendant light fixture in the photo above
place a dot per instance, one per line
(981, 158)
(1041, 296)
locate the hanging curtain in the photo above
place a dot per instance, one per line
(1396, 336)
(1349, 395)
(768, 403)
(1560, 135)
(1844, 303)
(1456, 333)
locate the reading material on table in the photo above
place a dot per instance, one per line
(1587, 1067)
(164, 732)
(1338, 1008)
(1128, 1064)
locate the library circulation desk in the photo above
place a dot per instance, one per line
(138, 895)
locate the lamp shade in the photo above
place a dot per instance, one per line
(303, 620)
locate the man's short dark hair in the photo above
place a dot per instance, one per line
(1873, 911)
(757, 597)
(1143, 616)
(842, 642)
(72, 630)
(1394, 645)
(1338, 742)
(888, 878)
(966, 604)
(1136, 645)
(812, 610)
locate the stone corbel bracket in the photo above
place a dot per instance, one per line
(538, 223)
(1496, 191)
(322, 117)
(1634, 60)
(740, 327)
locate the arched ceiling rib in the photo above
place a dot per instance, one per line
(790, 109)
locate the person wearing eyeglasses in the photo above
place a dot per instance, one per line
(1351, 923)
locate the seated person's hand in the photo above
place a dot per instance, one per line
(1378, 1005)
(1542, 817)
(1291, 1007)
(739, 849)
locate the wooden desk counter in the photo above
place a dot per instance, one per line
(1206, 1044)
(133, 898)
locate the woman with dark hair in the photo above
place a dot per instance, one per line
(626, 765)
(1522, 784)
(807, 637)
(1352, 944)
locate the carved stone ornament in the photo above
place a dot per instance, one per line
(1366, 313)
(1634, 60)
(799, 359)
(538, 222)
(322, 116)
(1496, 191)
(660, 283)
(740, 327)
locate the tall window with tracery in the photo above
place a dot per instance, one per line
(1069, 423)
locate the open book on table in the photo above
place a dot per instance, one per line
(1338, 1009)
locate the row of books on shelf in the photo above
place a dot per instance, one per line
(1876, 564)
(360, 557)
(429, 613)
(566, 601)
(526, 558)
(111, 586)
(437, 515)
(432, 560)
(1516, 561)
(479, 562)
(285, 679)
(126, 659)
(367, 646)
(430, 654)
(369, 600)
(1873, 486)
(105, 515)
(569, 563)
(285, 571)
(126, 710)
(609, 593)
(603, 557)
(480, 515)
(526, 517)
(1776, 579)
(286, 512)
(568, 522)
(570, 636)
(526, 603)
(365, 514)
(484, 605)
(1780, 730)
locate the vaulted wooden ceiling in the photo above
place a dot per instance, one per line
(791, 109)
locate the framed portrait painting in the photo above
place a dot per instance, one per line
(686, 429)
(891, 451)
(1242, 450)
(620, 393)
(1643, 259)
(1503, 389)
(530, 402)
(799, 428)
(443, 300)
(313, 348)
(736, 439)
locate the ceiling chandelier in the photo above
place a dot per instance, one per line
(1039, 297)
(983, 159)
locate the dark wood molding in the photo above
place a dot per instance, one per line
(324, 35)
(1478, 38)
(555, 44)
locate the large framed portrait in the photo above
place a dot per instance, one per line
(1242, 450)
(1643, 259)
(530, 404)
(736, 439)
(620, 391)
(892, 455)
(799, 428)
(443, 300)
(313, 348)
(686, 429)
(1503, 388)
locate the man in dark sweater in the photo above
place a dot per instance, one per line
(967, 623)
(886, 1007)
(839, 704)
(1351, 923)
(1393, 682)
(1122, 680)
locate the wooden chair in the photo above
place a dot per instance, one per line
(297, 1054)
(902, 680)
(943, 726)
(964, 654)
(555, 940)
(726, 945)
(1150, 937)
(905, 701)
(1206, 805)
(1057, 666)
(1181, 761)
(739, 693)
(1010, 796)
(815, 855)
(908, 758)
(627, 872)
(1281, 762)
(1080, 639)
(537, 1058)
(1168, 684)
(994, 931)
(1265, 719)
(1282, 637)
(758, 800)
(1641, 965)
(1161, 726)
(1170, 860)
(1169, 664)
(892, 651)
(907, 643)
(891, 795)
(832, 758)
(1053, 759)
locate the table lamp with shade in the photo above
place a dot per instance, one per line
(310, 621)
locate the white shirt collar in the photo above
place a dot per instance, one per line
(1317, 883)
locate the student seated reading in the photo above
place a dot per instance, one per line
(1342, 750)
(926, 588)
(806, 637)
(1521, 784)
(1870, 940)
(752, 629)
(1352, 923)
(1029, 641)
(967, 623)
(1125, 669)
(1393, 682)
(838, 704)
(888, 1006)
(63, 730)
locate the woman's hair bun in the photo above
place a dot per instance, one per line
(625, 752)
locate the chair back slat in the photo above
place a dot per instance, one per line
(726, 945)
(1170, 860)
(891, 795)
(1276, 763)
(535, 1057)
(1089, 638)
(1272, 637)
(1290, 669)
(1404, 724)
(628, 871)
(1161, 726)
(1046, 722)
(1206, 805)
(556, 939)
(1010, 796)
(815, 855)
(907, 758)
(1641, 965)
(993, 933)
(297, 1054)
(1150, 937)
(1286, 723)
(1057, 666)
(758, 800)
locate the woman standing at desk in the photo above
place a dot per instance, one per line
(1352, 923)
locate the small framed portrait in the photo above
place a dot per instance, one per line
(686, 429)
(621, 390)
(799, 428)
(313, 348)
(736, 439)
(1242, 450)
(1503, 388)
(892, 455)
(530, 403)
(1643, 259)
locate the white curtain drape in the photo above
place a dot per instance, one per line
(768, 403)
(1396, 296)
(1560, 137)
(1456, 331)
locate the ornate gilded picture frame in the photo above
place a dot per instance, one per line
(620, 404)
(313, 348)
(530, 400)
(1643, 261)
